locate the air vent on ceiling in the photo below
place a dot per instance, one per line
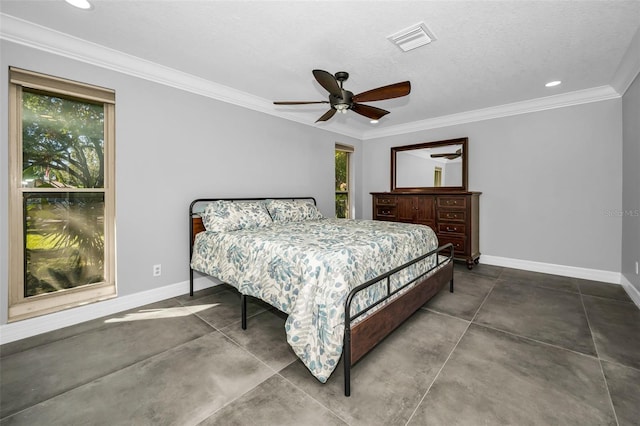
(412, 37)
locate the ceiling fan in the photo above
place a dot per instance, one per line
(341, 100)
(448, 156)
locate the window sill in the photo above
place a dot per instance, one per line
(64, 299)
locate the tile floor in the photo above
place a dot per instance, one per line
(508, 347)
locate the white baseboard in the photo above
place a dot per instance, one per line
(550, 268)
(633, 292)
(34, 326)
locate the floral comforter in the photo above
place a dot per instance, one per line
(306, 269)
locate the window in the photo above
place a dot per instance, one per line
(343, 157)
(437, 176)
(62, 196)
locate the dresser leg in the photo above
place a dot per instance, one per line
(471, 262)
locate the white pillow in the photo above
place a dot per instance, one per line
(292, 210)
(220, 216)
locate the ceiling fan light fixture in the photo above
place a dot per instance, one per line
(413, 37)
(342, 100)
(373, 121)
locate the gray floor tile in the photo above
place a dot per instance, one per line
(494, 378)
(553, 282)
(178, 387)
(553, 317)
(83, 327)
(624, 387)
(274, 402)
(186, 299)
(489, 271)
(616, 329)
(469, 292)
(160, 365)
(223, 308)
(49, 337)
(388, 383)
(265, 337)
(34, 375)
(606, 290)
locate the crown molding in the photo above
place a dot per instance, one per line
(38, 37)
(596, 94)
(42, 38)
(629, 67)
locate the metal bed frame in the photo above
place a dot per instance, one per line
(392, 310)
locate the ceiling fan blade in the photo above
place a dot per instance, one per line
(450, 156)
(299, 103)
(369, 111)
(328, 81)
(386, 92)
(447, 156)
(327, 115)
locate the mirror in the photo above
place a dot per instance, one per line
(430, 166)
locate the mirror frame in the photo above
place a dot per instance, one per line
(465, 161)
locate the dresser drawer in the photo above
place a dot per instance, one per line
(458, 243)
(452, 216)
(453, 201)
(386, 201)
(385, 211)
(451, 228)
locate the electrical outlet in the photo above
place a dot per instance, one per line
(157, 270)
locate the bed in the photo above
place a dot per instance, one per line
(344, 284)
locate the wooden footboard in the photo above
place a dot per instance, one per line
(363, 336)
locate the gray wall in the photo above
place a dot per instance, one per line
(173, 146)
(452, 174)
(414, 170)
(549, 180)
(631, 183)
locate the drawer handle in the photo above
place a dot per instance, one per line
(450, 229)
(449, 216)
(386, 211)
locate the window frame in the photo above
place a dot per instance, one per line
(348, 150)
(21, 307)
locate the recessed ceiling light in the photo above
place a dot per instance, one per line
(553, 83)
(80, 4)
(373, 121)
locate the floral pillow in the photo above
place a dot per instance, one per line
(292, 210)
(220, 216)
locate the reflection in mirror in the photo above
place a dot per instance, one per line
(427, 166)
(439, 166)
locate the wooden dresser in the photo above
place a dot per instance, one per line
(453, 215)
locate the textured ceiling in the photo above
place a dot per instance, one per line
(486, 54)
